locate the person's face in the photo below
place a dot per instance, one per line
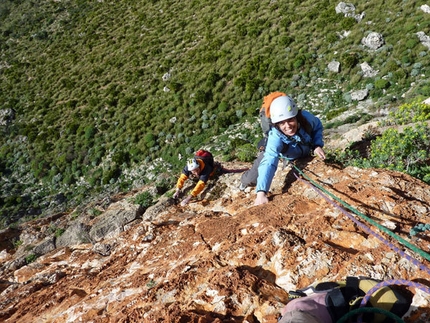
(289, 126)
(196, 171)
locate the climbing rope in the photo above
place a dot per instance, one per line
(362, 310)
(320, 189)
(390, 282)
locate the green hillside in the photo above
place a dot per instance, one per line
(93, 93)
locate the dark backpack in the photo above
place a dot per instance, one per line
(345, 296)
(206, 156)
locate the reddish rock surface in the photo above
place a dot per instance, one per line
(221, 259)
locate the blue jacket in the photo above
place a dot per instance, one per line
(300, 145)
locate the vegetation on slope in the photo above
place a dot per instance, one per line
(99, 88)
(405, 151)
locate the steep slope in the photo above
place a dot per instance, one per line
(90, 89)
(223, 260)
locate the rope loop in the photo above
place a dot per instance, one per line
(362, 310)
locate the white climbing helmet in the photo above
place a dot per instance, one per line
(282, 108)
(192, 164)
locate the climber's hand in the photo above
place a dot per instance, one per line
(261, 198)
(176, 195)
(319, 152)
(186, 200)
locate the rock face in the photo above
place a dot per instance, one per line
(221, 259)
(373, 40)
(348, 10)
(424, 39)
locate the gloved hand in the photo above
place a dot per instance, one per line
(176, 195)
(186, 200)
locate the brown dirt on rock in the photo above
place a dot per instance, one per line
(233, 263)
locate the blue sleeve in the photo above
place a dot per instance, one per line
(269, 163)
(317, 129)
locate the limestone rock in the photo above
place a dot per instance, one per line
(373, 40)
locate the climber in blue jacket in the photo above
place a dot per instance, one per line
(294, 134)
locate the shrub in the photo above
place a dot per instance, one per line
(286, 40)
(390, 66)
(349, 60)
(90, 131)
(144, 199)
(425, 90)
(405, 152)
(30, 258)
(237, 142)
(246, 153)
(411, 43)
(120, 157)
(399, 74)
(331, 38)
(149, 140)
(348, 22)
(382, 84)
(298, 63)
(223, 106)
(406, 60)
(111, 174)
(17, 243)
(410, 112)
(252, 85)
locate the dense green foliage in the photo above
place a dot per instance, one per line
(100, 88)
(405, 151)
(144, 200)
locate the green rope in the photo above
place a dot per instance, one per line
(381, 227)
(370, 310)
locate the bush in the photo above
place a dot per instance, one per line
(149, 140)
(382, 84)
(144, 199)
(424, 91)
(390, 66)
(349, 60)
(298, 63)
(410, 112)
(347, 23)
(111, 174)
(246, 153)
(30, 258)
(412, 42)
(405, 152)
